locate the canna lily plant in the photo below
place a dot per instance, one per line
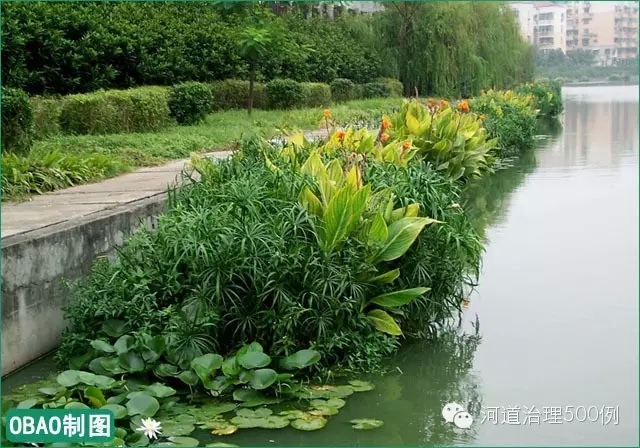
(453, 140)
(343, 206)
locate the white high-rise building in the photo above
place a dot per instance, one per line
(543, 24)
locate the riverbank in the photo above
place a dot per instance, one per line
(377, 214)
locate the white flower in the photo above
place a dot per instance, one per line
(150, 428)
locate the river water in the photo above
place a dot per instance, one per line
(554, 359)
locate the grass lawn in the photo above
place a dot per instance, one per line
(63, 161)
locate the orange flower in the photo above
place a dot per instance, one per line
(384, 137)
(326, 113)
(386, 124)
(406, 145)
(431, 103)
(340, 135)
(443, 103)
(463, 106)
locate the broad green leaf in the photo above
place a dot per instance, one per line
(300, 359)
(402, 234)
(310, 423)
(76, 405)
(353, 178)
(314, 167)
(118, 411)
(184, 441)
(366, 423)
(398, 298)
(335, 171)
(69, 378)
(189, 377)
(153, 349)
(254, 360)
(131, 362)
(383, 322)
(160, 390)
(247, 395)
(263, 378)
(165, 370)
(144, 405)
(358, 204)
(335, 221)
(361, 386)
(27, 404)
(124, 344)
(114, 328)
(95, 396)
(412, 210)
(230, 366)
(112, 365)
(311, 202)
(412, 123)
(206, 365)
(50, 390)
(386, 278)
(378, 231)
(102, 346)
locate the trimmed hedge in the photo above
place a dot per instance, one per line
(316, 94)
(17, 121)
(343, 90)
(46, 116)
(143, 109)
(394, 87)
(234, 94)
(190, 102)
(284, 94)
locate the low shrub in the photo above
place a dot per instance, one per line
(190, 102)
(46, 116)
(375, 90)
(17, 121)
(40, 173)
(510, 118)
(316, 94)
(547, 97)
(284, 94)
(234, 94)
(142, 109)
(394, 86)
(343, 90)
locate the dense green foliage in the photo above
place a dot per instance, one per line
(17, 121)
(451, 49)
(143, 109)
(510, 118)
(284, 93)
(547, 97)
(190, 102)
(343, 89)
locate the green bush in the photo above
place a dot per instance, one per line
(343, 90)
(316, 94)
(190, 102)
(17, 121)
(394, 87)
(142, 109)
(375, 90)
(46, 116)
(547, 97)
(284, 94)
(234, 94)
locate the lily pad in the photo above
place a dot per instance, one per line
(118, 410)
(160, 390)
(144, 405)
(295, 414)
(220, 444)
(361, 386)
(366, 423)
(184, 441)
(27, 404)
(300, 360)
(211, 410)
(340, 392)
(309, 424)
(254, 360)
(181, 425)
(247, 423)
(226, 431)
(51, 391)
(76, 405)
(69, 378)
(336, 403)
(275, 422)
(323, 411)
(263, 378)
(256, 413)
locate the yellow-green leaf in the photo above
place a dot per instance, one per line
(336, 220)
(402, 234)
(311, 202)
(412, 210)
(383, 322)
(386, 278)
(357, 206)
(398, 298)
(335, 172)
(379, 230)
(412, 123)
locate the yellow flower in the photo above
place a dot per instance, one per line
(326, 113)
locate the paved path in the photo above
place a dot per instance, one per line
(63, 205)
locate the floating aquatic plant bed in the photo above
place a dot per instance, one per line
(211, 393)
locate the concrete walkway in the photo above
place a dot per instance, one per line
(64, 205)
(76, 202)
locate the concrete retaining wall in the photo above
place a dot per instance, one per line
(35, 264)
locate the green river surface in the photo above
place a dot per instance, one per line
(547, 351)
